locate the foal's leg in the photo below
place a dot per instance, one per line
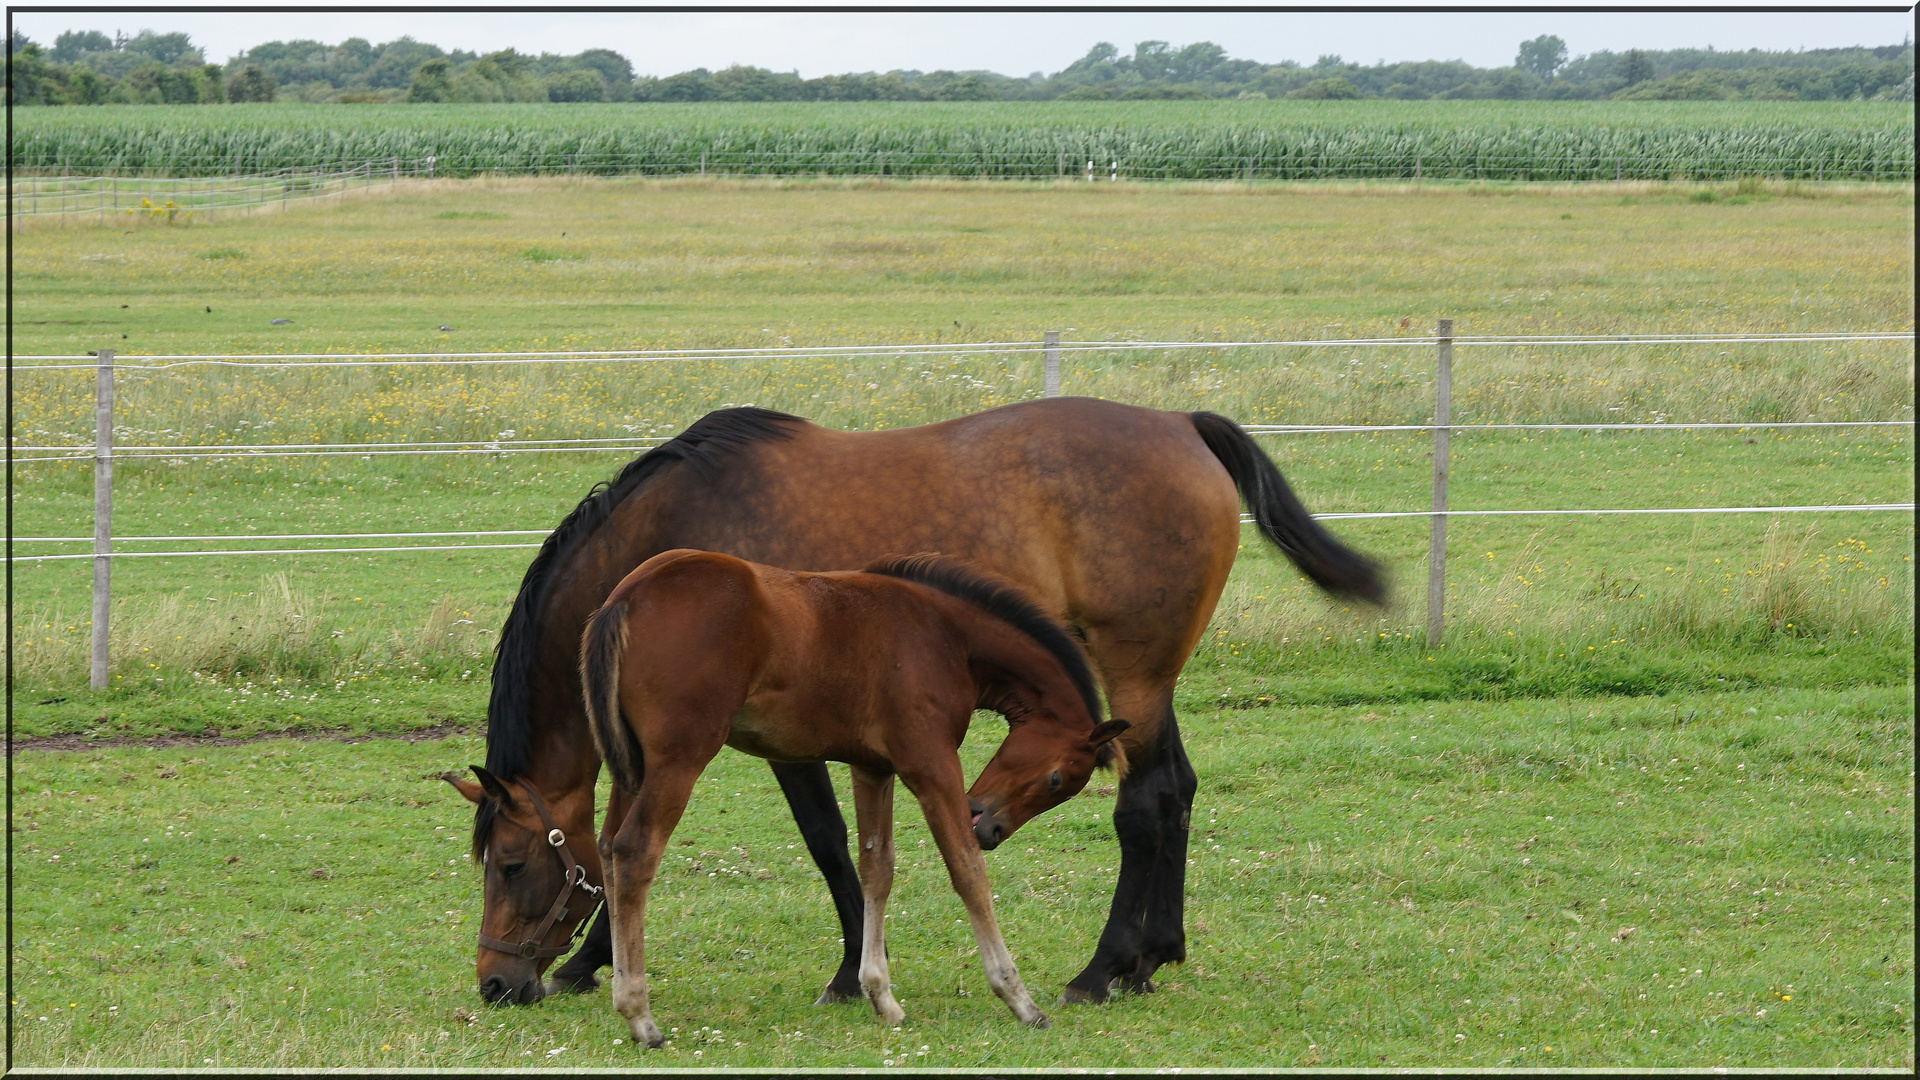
(577, 975)
(943, 799)
(809, 792)
(636, 852)
(873, 810)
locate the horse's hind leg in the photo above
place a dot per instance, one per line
(873, 810)
(1163, 934)
(1144, 926)
(636, 851)
(809, 792)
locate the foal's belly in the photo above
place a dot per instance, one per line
(755, 731)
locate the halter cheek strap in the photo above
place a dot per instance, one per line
(576, 878)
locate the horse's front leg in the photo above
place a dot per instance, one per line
(873, 811)
(577, 975)
(943, 799)
(1145, 926)
(809, 792)
(635, 862)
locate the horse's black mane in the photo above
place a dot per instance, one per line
(1003, 602)
(509, 711)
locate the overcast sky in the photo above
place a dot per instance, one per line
(1012, 44)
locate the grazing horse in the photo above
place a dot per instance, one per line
(1120, 521)
(881, 670)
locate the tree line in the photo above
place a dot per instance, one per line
(89, 68)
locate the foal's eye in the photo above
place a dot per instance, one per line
(513, 870)
(1053, 782)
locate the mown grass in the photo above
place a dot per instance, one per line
(1720, 879)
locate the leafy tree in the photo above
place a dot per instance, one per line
(74, 44)
(966, 88)
(1635, 67)
(432, 81)
(1334, 89)
(576, 85)
(1542, 56)
(161, 48)
(616, 71)
(251, 83)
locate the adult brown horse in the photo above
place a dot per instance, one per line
(1121, 521)
(880, 669)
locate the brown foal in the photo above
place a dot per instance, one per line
(881, 669)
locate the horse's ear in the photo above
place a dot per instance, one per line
(467, 788)
(493, 786)
(1105, 732)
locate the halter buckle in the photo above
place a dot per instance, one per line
(556, 838)
(527, 949)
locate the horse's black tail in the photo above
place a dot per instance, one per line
(601, 647)
(1332, 565)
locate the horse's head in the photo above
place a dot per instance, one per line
(540, 881)
(1042, 763)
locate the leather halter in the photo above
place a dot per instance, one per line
(531, 949)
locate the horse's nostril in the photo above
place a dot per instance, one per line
(493, 988)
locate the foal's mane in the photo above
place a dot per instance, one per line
(510, 711)
(1002, 601)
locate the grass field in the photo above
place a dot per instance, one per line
(1720, 879)
(1518, 140)
(1580, 650)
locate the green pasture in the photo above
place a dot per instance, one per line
(1387, 802)
(1285, 140)
(1698, 879)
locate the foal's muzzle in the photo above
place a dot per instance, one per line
(989, 827)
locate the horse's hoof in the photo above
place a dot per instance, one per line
(563, 985)
(1140, 986)
(1040, 1021)
(832, 996)
(1075, 995)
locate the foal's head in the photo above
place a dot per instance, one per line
(1043, 763)
(524, 874)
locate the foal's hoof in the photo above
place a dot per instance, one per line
(1039, 1021)
(1140, 986)
(644, 1030)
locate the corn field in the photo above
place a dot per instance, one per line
(1219, 140)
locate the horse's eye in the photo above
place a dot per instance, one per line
(1053, 782)
(513, 870)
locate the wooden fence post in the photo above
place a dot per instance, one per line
(102, 514)
(1437, 541)
(1051, 384)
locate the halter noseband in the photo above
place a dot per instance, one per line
(576, 878)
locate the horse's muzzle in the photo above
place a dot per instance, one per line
(496, 990)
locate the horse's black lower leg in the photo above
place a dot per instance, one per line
(577, 975)
(809, 792)
(1144, 928)
(1163, 932)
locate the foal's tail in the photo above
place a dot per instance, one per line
(1332, 565)
(601, 647)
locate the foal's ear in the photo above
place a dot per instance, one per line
(1105, 732)
(493, 786)
(467, 788)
